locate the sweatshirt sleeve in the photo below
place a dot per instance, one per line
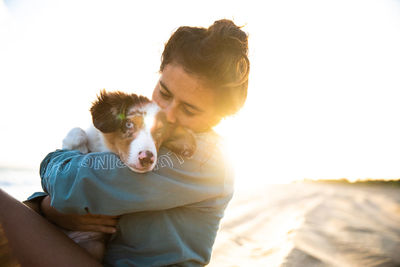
(100, 183)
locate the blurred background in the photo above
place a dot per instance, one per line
(323, 103)
(323, 94)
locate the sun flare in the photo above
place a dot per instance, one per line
(243, 149)
(323, 92)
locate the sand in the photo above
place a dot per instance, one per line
(311, 225)
(292, 225)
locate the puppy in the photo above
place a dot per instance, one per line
(134, 128)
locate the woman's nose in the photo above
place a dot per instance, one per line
(170, 113)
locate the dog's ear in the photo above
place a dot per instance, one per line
(181, 141)
(104, 112)
(109, 110)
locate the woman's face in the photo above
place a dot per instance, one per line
(185, 99)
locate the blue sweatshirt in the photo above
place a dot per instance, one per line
(170, 215)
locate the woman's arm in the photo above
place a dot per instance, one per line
(88, 222)
(40, 203)
(35, 241)
(100, 183)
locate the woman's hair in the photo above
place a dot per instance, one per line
(218, 55)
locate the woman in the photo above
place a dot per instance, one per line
(171, 215)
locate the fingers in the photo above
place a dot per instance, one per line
(88, 222)
(105, 222)
(110, 222)
(102, 216)
(99, 220)
(99, 228)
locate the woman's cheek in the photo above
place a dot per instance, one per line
(156, 98)
(190, 123)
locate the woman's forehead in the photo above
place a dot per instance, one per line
(186, 87)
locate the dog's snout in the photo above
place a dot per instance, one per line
(146, 158)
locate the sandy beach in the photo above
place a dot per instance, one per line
(292, 225)
(311, 225)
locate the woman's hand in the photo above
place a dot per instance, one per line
(89, 222)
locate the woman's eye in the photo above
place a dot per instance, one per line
(129, 125)
(165, 95)
(188, 112)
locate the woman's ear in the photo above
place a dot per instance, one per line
(182, 142)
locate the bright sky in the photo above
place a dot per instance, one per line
(324, 87)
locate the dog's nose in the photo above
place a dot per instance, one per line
(146, 158)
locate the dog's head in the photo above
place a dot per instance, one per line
(134, 128)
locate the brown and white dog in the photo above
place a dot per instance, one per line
(134, 128)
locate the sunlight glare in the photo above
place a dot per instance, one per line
(323, 88)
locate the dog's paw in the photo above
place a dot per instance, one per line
(76, 139)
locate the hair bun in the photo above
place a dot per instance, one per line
(225, 34)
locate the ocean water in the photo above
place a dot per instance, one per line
(20, 183)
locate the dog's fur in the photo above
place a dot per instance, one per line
(130, 125)
(134, 128)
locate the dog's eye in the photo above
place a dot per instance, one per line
(129, 125)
